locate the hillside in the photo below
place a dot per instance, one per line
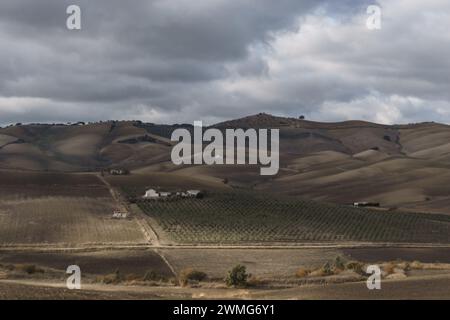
(398, 165)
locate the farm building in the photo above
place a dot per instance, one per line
(366, 204)
(194, 193)
(151, 194)
(190, 194)
(164, 194)
(119, 171)
(120, 215)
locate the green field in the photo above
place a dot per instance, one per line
(251, 218)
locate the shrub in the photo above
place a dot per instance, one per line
(405, 266)
(254, 281)
(132, 277)
(339, 264)
(237, 277)
(416, 265)
(188, 275)
(29, 268)
(112, 278)
(10, 267)
(302, 272)
(356, 266)
(152, 275)
(326, 270)
(389, 268)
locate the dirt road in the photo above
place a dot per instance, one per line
(426, 287)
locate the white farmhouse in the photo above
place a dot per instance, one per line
(151, 194)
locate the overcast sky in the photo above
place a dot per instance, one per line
(170, 61)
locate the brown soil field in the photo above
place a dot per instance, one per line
(64, 220)
(16, 291)
(14, 177)
(27, 184)
(40, 208)
(267, 263)
(426, 255)
(429, 287)
(170, 181)
(136, 262)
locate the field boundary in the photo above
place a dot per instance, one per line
(49, 248)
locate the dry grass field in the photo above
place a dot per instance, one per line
(435, 287)
(272, 269)
(72, 221)
(137, 183)
(64, 209)
(20, 291)
(276, 264)
(29, 184)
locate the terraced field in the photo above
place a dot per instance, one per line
(231, 218)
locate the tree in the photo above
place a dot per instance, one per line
(302, 117)
(237, 277)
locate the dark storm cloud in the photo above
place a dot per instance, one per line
(130, 52)
(176, 61)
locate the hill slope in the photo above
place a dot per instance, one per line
(399, 165)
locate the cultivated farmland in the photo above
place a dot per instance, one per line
(246, 217)
(98, 262)
(63, 209)
(71, 220)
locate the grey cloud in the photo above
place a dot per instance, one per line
(181, 60)
(129, 52)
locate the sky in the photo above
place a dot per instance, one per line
(176, 61)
